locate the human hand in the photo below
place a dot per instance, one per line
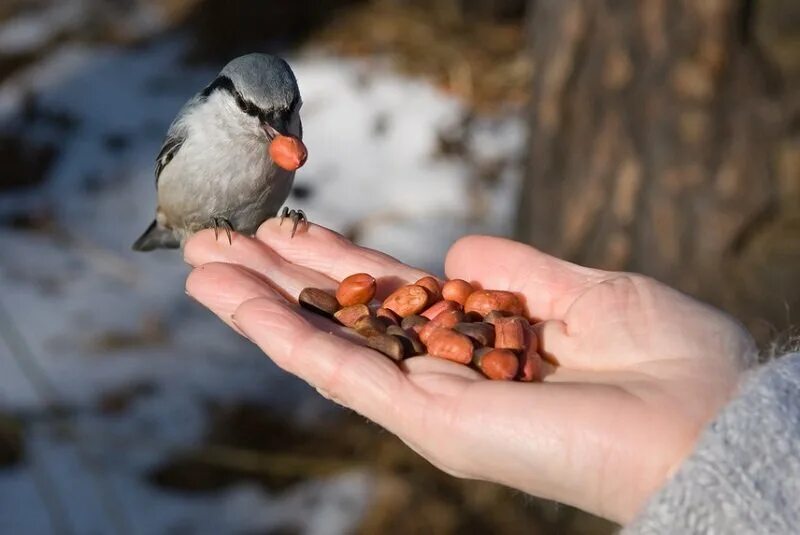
(642, 368)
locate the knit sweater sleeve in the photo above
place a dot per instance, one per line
(744, 475)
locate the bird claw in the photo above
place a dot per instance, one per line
(221, 222)
(297, 217)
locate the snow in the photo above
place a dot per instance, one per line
(373, 169)
(46, 21)
(30, 31)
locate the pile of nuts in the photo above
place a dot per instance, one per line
(454, 321)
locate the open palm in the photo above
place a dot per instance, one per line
(642, 368)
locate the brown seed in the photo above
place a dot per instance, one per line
(389, 345)
(318, 301)
(481, 333)
(411, 342)
(369, 326)
(440, 307)
(530, 367)
(348, 316)
(387, 316)
(457, 290)
(432, 285)
(485, 301)
(358, 289)
(450, 345)
(510, 333)
(415, 323)
(408, 300)
(473, 317)
(498, 364)
(493, 316)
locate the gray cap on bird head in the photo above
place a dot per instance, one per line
(266, 81)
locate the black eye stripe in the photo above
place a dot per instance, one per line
(224, 83)
(220, 83)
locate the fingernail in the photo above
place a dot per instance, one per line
(326, 395)
(238, 329)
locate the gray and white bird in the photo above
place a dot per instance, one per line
(230, 155)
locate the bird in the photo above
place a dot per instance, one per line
(230, 155)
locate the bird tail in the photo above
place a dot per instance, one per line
(156, 237)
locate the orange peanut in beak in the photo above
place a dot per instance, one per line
(288, 152)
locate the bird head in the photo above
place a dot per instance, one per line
(264, 87)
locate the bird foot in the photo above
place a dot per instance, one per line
(222, 223)
(297, 217)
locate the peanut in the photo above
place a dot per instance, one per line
(349, 315)
(408, 300)
(450, 345)
(530, 367)
(428, 329)
(449, 318)
(531, 338)
(318, 301)
(452, 321)
(511, 333)
(432, 285)
(498, 364)
(358, 289)
(485, 301)
(288, 152)
(457, 290)
(437, 308)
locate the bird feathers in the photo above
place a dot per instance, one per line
(214, 161)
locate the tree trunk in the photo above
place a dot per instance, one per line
(665, 139)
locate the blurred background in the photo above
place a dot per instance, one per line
(652, 135)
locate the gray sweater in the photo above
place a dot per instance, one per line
(744, 475)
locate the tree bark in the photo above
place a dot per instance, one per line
(665, 139)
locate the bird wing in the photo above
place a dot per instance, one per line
(176, 135)
(168, 151)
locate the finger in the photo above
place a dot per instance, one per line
(548, 285)
(223, 287)
(330, 253)
(354, 376)
(419, 367)
(288, 278)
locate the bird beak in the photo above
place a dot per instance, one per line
(271, 131)
(288, 152)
